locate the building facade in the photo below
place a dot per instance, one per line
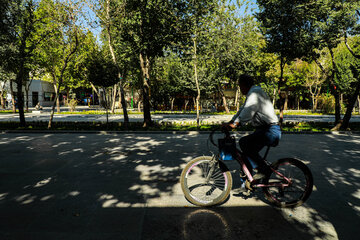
(39, 92)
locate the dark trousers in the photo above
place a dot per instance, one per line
(252, 144)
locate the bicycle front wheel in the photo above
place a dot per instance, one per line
(204, 183)
(299, 188)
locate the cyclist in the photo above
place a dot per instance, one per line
(258, 110)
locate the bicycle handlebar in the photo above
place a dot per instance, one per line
(224, 130)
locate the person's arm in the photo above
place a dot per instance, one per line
(235, 118)
(234, 122)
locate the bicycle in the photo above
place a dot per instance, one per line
(207, 181)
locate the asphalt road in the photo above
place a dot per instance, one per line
(126, 186)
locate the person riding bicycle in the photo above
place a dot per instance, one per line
(258, 110)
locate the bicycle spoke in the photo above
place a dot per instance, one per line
(206, 183)
(293, 191)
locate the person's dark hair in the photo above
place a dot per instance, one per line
(246, 80)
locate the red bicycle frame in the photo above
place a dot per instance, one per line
(247, 172)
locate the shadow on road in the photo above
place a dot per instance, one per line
(126, 186)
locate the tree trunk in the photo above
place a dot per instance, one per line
(2, 100)
(224, 101)
(139, 105)
(197, 85)
(12, 96)
(20, 98)
(106, 108)
(313, 102)
(298, 103)
(282, 102)
(358, 99)
(237, 96)
(341, 101)
(274, 97)
(53, 106)
(186, 103)
(114, 93)
(172, 104)
(56, 100)
(120, 104)
(286, 100)
(336, 90)
(122, 95)
(337, 106)
(123, 102)
(344, 124)
(145, 68)
(97, 93)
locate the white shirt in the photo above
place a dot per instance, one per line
(257, 108)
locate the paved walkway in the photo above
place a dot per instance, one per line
(206, 119)
(126, 186)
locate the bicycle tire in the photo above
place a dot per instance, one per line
(197, 191)
(298, 191)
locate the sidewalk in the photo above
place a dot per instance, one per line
(172, 118)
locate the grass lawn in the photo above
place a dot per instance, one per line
(118, 126)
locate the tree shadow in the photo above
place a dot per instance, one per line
(126, 186)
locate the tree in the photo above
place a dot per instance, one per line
(288, 32)
(198, 14)
(352, 13)
(23, 22)
(58, 50)
(149, 27)
(110, 14)
(348, 77)
(102, 71)
(314, 81)
(233, 47)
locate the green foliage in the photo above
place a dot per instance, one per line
(149, 26)
(59, 54)
(348, 67)
(102, 71)
(286, 24)
(326, 103)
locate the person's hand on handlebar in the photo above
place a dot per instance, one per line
(228, 126)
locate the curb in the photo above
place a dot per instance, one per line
(163, 132)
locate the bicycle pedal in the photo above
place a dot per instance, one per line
(239, 190)
(248, 185)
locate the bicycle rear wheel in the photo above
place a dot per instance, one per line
(200, 191)
(299, 189)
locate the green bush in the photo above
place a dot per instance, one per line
(326, 103)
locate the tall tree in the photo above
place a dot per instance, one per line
(288, 32)
(150, 26)
(59, 49)
(351, 12)
(23, 22)
(110, 14)
(348, 77)
(199, 13)
(103, 72)
(233, 45)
